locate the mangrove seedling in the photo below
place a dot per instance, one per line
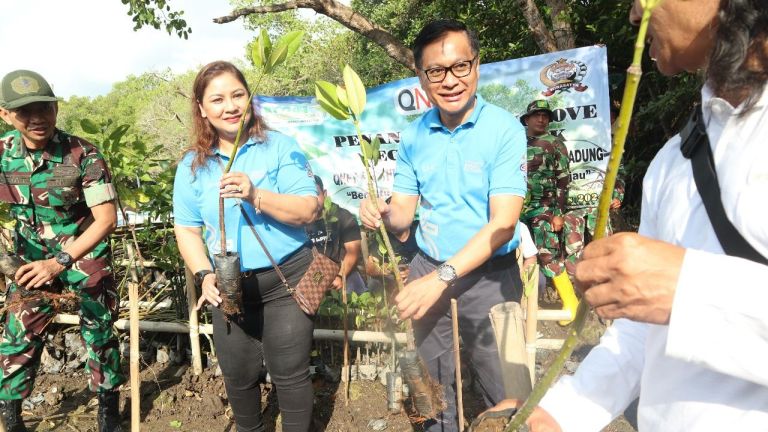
(348, 103)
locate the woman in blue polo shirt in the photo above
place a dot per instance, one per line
(270, 178)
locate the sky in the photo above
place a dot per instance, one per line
(82, 47)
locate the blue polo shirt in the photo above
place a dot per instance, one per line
(277, 165)
(456, 172)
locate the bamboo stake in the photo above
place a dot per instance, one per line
(345, 368)
(194, 327)
(134, 336)
(531, 321)
(133, 294)
(457, 363)
(627, 104)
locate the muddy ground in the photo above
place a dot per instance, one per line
(174, 399)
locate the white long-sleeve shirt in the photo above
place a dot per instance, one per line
(708, 369)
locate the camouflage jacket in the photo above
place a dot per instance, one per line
(618, 189)
(50, 193)
(548, 176)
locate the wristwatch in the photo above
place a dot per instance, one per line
(64, 259)
(446, 273)
(199, 276)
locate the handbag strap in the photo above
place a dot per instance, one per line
(264, 246)
(695, 146)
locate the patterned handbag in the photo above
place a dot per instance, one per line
(317, 280)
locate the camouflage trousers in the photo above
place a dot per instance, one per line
(550, 244)
(578, 228)
(22, 341)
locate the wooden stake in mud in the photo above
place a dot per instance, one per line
(457, 363)
(531, 321)
(345, 375)
(194, 328)
(133, 298)
(133, 302)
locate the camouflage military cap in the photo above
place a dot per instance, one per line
(23, 87)
(536, 106)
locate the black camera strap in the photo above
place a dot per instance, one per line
(695, 146)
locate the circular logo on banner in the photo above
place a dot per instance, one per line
(563, 75)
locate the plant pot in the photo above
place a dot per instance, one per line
(228, 283)
(427, 396)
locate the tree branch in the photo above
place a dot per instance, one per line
(341, 13)
(561, 26)
(541, 35)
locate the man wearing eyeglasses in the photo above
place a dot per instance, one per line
(464, 163)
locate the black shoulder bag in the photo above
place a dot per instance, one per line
(695, 146)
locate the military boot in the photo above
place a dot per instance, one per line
(109, 412)
(10, 410)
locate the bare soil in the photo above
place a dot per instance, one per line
(174, 399)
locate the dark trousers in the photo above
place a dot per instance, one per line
(475, 294)
(273, 329)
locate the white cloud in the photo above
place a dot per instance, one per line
(82, 47)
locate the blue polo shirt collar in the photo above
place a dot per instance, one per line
(434, 122)
(251, 141)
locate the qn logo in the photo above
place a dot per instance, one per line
(411, 100)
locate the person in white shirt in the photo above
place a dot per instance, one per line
(691, 331)
(527, 246)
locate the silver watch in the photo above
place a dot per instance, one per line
(446, 273)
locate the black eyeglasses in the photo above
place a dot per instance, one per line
(458, 69)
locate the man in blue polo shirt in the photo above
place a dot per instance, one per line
(464, 162)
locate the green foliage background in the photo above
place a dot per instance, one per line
(156, 105)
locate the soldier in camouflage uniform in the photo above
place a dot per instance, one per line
(548, 179)
(61, 196)
(582, 221)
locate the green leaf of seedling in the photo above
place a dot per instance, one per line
(327, 206)
(89, 126)
(265, 46)
(355, 91)
(257, 53)
(334, 111)
(328, 99)
(292, 40)
(278, 55)
(375, 152)
(341, 94)
(365, 147)
(175, 424)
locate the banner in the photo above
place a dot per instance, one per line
(575, 82)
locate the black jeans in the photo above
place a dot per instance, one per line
(275, 330)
